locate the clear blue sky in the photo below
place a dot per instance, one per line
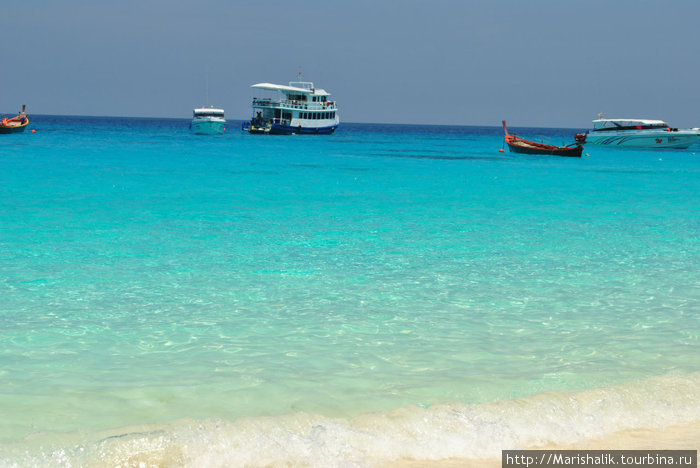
(534, 63)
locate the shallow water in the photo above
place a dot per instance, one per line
(391, 276)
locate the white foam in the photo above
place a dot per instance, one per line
(435, 433)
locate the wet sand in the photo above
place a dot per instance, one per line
(672, 438)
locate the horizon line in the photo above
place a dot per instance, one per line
(245, 120)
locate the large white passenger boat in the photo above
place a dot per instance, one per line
(208, 121)
(301, 109)
(640, 133)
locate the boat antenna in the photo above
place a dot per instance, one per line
(299, 77)
(207, 90)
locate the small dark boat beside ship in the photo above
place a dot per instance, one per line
(15, 124)
(520, 145)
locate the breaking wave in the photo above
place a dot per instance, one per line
(435, 433)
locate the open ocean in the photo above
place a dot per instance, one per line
(386, 292)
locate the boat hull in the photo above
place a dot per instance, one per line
(645, 139)
(10, 128)
(208, 127)
(574, 152)
(280, 129)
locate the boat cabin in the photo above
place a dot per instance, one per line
(628, 124)
(208, 112)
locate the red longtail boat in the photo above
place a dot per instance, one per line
(15, 124)
(520, 145)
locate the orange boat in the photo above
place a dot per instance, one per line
(15, 124)
(519, 145)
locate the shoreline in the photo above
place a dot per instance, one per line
(406, 437)
(685, 437)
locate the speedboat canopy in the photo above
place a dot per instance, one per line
(627, 124)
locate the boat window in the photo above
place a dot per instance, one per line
(208, 114)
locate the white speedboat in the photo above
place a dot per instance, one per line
(640, 133)
(208, 121)
(302, 109)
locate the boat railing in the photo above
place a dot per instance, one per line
(302, 84)
(294, 104)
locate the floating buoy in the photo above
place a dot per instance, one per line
(501, 150)
(33, 131)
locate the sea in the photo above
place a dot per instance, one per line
(384, 293)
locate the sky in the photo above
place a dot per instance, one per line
(535, 63)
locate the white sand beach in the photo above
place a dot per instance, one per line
(673, 438)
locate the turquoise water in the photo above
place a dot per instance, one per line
(385, 292)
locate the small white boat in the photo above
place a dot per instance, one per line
(303, 109)
(640, 133)
(208, 121)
